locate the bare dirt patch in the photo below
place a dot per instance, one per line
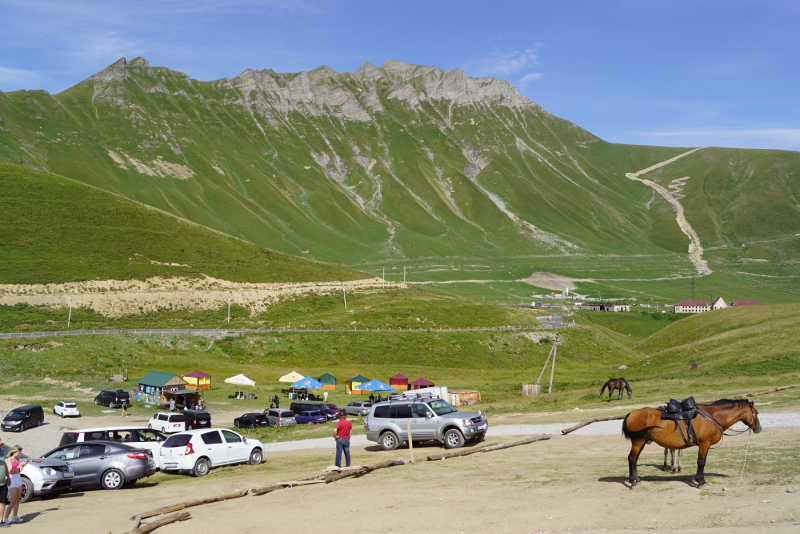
(553, 281)
(117, 298)
(567, 484)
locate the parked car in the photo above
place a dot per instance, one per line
(298, 407)
(103, 463)
(431, 418)
(197, 419)
(310, 417)
(144, 438)
(335, 409)
(168, 422)
(113, 398)
(41, 477)
(66, 409)
(358, 408)
(197, 451)
(251, 420)
(23, 418)
(279, 417)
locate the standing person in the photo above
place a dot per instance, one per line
(325, 396)
(3, 493)
(342, 435)
(124, 408)
(172, 405)
(14, 480)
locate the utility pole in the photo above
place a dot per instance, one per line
(229, 306)
(344, 294)
(404, 274)
(553, 367)
(384, 278)
(69, 317)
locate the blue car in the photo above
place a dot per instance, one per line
(310, 417)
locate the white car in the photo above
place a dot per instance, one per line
(197, 451)
(66, 409)
(167, 422)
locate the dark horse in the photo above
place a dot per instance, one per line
(616, 383)
(645, 426)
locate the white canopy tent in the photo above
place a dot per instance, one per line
(240, 380)
(292, 377)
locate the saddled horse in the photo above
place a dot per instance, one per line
(645, 425)
(616, 383)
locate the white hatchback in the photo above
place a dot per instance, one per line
(167, 422)
(197, 451)
(66, 409)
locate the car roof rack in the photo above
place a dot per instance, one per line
(417, 395)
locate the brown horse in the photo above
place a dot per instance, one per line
(616, 383)
(645, 426)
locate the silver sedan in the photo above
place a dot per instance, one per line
(104, 463)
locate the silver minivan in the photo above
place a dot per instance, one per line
(280, 417)
(431, 418)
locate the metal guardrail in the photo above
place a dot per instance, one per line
(222, 332)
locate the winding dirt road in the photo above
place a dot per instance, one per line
(695, 249)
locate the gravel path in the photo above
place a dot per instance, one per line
(40, 440)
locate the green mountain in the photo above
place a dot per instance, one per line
(407, 165)
(54, 229)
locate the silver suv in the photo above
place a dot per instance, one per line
(431, 419)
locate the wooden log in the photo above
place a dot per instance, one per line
(460, 452)
(136, 522)
(525, 441)
(158, 523)
(767, 392)
(266, 489)
(189, 504)
(590, 421)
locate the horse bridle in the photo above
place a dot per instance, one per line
(727, 428)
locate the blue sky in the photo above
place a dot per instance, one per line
(672, 72)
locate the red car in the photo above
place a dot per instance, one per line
(335, 409)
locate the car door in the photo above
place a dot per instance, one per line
(214, 447)
(59, 409)
(399, 414)
(423, 424)
(238, 451)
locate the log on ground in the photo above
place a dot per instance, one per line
(460, 452)
(590, 421)
(189, 504)
(525, 441)
(158, 523)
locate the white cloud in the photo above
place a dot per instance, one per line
(532, 77)
(768, 137)
(508, 63)
(18, 77)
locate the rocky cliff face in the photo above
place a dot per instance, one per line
(396, 161)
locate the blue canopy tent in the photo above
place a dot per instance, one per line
(308, 383)
(374, 385)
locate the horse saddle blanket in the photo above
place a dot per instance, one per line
(685, 411)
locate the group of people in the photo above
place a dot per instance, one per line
(373, 400)
(11, 487)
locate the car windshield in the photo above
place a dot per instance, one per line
(441, 407)
(14, 416)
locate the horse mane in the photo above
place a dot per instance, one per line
(731, 403)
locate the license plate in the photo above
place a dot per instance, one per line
(168, 466)
(482, 427)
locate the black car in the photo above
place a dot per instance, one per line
(197, 419)
(113, 398)
(23, 418)
(251, 420)
(104, 463)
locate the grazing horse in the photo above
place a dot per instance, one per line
(675, 466)
(616, 383)
(645, 425)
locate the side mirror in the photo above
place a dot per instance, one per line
(244, 440)
(428, 415)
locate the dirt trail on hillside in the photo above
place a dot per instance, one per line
(695, 249)
(116, 298)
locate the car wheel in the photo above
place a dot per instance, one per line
(389, 441)
(27, 490)
(113, 479)
(201, 468)
(252, 426)
(62, 416)
(453, 439)
(150, 426)
(112, 405)
(188, 427)
(236, 424)
(256, 457)
(96, 402)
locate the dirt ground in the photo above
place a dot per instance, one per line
(566, 484)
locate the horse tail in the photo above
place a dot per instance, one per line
(634, 434)
(606, 385)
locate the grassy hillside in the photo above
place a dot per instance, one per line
(54, 229)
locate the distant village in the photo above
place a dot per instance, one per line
(583, 302)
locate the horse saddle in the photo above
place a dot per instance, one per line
(685, 411)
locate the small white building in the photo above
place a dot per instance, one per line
(718, 304)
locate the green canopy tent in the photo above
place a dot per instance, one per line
(328, 382)
(350, 384)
